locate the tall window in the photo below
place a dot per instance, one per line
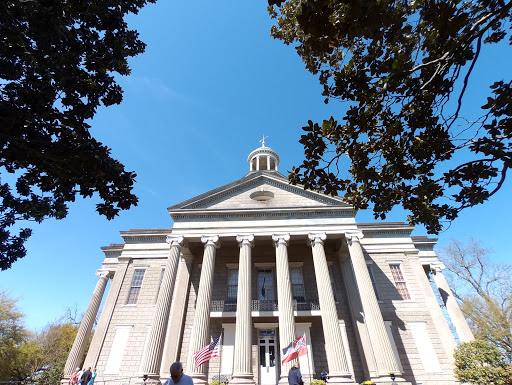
(297, 284)
(232, 285)
(265, 285)
(399, 279)
(133, 295)
(372, 278)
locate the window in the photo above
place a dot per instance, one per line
(232, 285)
(372, 278)
(265, 285)
(133, 295)
(297, 284)
(399, 281)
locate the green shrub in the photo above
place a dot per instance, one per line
(480, 363)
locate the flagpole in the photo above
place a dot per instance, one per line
(307, 357)
(220, 352)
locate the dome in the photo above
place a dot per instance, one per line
(263, 159)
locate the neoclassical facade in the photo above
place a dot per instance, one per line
(260, 262)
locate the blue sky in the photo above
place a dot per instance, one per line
(210, 84)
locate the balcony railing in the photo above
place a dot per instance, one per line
(267, 305)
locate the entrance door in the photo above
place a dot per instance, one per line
(267, 344)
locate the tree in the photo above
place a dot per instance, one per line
(403, 68)
(58, 61)
(484, 290)
(56, 341)
(478, 362)
(26, 356)
(12, 335)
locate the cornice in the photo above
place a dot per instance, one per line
(247, 214)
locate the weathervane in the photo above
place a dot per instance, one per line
(263, 140)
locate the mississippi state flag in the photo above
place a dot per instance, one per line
(296, 349)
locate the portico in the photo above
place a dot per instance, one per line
(260, 262)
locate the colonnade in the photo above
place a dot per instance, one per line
(381, 347)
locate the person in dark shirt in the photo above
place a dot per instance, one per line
(294, 376)
(86, 377)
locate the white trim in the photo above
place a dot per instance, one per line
(265, 265)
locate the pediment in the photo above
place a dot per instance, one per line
(258, 190)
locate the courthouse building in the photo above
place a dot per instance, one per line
(261, 262)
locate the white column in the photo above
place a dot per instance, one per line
(257, 163)
(201, 335)
(84, 330)
(382, 348)
(153, 353)
(336, 359)
(268, 162)
(458, 320)
(284, 299)
(242, 373)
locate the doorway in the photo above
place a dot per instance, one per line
(267, 356)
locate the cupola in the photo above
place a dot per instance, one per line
(263, 158)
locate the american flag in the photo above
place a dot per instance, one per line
(209, 351)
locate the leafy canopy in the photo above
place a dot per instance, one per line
(58, 59)
(479, 362)
(32, 357)
(403, 68)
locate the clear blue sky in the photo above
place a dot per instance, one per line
(210, 84)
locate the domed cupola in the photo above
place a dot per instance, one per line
(263, 158)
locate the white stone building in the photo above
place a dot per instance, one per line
(261, 262)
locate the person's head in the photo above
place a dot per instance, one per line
(176, 372)
(89, 368)
(297, 365)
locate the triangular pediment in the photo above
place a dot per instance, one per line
(258, 190)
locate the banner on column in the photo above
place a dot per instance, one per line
(296, 349)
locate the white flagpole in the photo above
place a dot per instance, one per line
(220, 352)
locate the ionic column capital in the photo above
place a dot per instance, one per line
(175, 240)
(354, 236)
(316, 238)
(437, 267)
(247, 240)
(211, 240)
(281, 239)
(103, 273)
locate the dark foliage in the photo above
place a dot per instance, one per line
(58, 59)
(403, 68)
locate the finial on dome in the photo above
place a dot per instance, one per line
(263, 140)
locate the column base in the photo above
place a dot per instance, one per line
(340, 378)
(387, 380)
(148, 379)
(199, 378)
(242, 378)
